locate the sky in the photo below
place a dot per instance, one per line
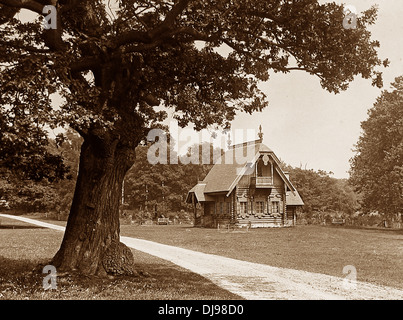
(311, 128)
(308, 127)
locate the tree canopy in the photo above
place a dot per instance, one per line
(112, 74)
(164, 185)
(377, 168)
(322, 193)
(50, 196)
(145, 52)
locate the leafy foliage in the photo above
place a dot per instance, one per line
(159, 53)
(377, 168)
(146, 52)
(163, 187)
(322, 193)
(54, 196)
(24, 148)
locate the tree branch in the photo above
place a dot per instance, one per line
(170, 18)
(266, 15)
(133, 36)
(7, 13)
(271, 43)
(52, 37)
(158, 32)
(85, 64)
(24, 4)
(24, 48)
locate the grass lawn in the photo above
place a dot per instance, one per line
(377, 255)
(23, 247)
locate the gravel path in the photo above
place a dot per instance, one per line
(252, 280)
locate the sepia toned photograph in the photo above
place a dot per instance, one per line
(201, 155)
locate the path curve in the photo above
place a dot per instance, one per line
(252, 280)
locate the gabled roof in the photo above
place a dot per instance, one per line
(198, 191)
(294, 199)
(235, 160)
(235, 163)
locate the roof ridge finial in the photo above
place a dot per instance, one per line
(229, 142)
(260, 134)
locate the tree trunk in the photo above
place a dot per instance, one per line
(91, 242)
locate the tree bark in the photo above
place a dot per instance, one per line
(91, 243)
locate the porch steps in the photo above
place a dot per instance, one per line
(260, 222)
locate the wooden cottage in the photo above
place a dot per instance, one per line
(246, 187)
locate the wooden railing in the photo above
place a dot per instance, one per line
(261, 181)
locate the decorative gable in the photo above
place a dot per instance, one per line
(254, 192)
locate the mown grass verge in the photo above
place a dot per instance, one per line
(377, 255)
(24, 247)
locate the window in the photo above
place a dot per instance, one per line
(259, 206)
(275, 206)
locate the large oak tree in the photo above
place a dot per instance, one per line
(117, 71)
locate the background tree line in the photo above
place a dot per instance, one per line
(161, 189)
(51, 196)
(373, 194)
(152, 190)
(323, 193)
